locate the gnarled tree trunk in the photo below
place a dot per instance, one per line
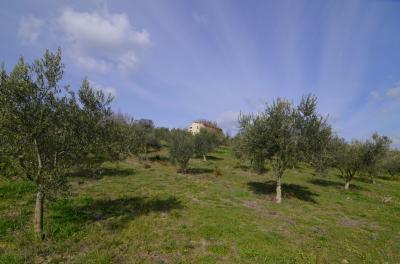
(204, 158)
(39, 214)
(348, 178)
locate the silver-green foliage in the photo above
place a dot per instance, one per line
(375, 151)
(204, 142)
(45, 129)
(391, 163)
(181, 148)
(284, 135)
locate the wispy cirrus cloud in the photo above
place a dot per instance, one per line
(29, 29)
(92, 64)
(108, 90)
(200, 19)
(228, 121)
(390, 93)
(375, 95)
(394, 92)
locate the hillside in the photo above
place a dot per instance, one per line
(147, 213)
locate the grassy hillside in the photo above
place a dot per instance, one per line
(141, 213)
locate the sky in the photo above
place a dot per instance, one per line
(176, 61)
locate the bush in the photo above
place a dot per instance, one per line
(205, 142)
(391, 164)
(181, 148)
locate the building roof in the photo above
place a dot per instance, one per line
(208, 124)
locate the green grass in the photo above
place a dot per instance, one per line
(151, 214)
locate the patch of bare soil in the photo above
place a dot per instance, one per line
(348, 222)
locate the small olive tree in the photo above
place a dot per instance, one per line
(284, 134)
(375, 150)
(251, 142)
(181, 148)
(391, 163)
(204, 142)
(143, 137)
(162, 134)
(348, 158)
(282, 142)
(97, 130)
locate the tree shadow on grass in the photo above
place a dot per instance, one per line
(290, 190)
(335, 184)
(117, 171)
(387, 177)
(326, 183)
(209, 157)
(102, 172)
(198, 170)
(159, 158)
(242, 167)
(71, 216)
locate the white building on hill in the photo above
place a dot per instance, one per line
(196, 126)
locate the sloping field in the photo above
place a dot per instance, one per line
(147, 213)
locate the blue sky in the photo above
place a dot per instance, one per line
(175, 61)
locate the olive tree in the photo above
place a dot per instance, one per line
(96, 129)
(251, 141)
(181, 148)
(118, 138)
(375, 150)
(282, 143)
(46, 128)
(204, 142)
(391, 163)
(162, 133)
(283, 134)
(143, 137)
(238, 146)
(348, 158)
(315, 135)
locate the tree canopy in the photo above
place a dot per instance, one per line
(285, 135)
(46, 129)
(181, 148)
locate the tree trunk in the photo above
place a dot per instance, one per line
(278, 189)
(39, 214)
(39, 196)
(204, 158)
(371, 176)
(347, 185)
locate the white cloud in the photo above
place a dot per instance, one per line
(229, 121)
(375, 95)
(200, 19)
(101, 40)
(29, 29)
(127, 61)
(394, 92)
(106, 89)
(90, 63)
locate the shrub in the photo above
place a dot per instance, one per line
(181, 148)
